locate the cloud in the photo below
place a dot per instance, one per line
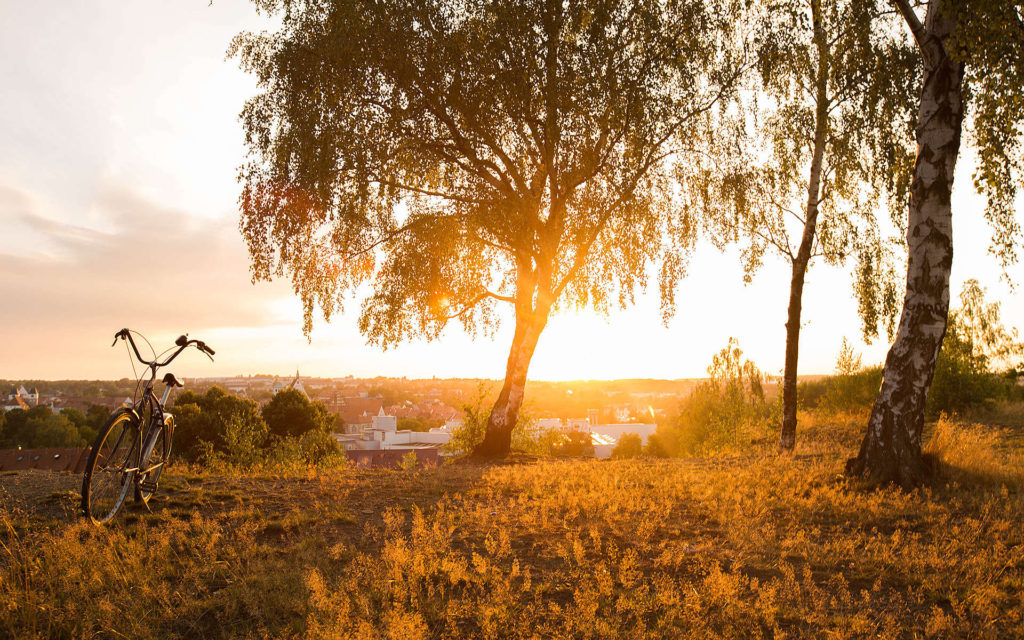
(157, 269)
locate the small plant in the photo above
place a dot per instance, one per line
(721, 412)
(470, 433)
(409, 461)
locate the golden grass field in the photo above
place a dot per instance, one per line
(751, 545)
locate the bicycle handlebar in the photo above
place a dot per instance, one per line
(126, 334)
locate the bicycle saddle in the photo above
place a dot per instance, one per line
(171, 381)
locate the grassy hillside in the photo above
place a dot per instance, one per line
(751, 546)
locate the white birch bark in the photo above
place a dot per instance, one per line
(891, 450)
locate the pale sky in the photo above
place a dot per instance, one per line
(119, 146)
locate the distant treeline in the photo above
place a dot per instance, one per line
(39, 427)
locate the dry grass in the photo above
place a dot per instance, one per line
(739, 547)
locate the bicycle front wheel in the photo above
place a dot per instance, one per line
(157, 452)
(110, 472)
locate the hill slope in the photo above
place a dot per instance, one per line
(743, 547)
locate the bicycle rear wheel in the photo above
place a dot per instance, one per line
(110, 472)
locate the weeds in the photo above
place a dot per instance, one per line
(754, 546)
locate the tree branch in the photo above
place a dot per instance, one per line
(914, 22)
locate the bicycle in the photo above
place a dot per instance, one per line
(133, 447)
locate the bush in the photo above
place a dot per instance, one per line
(629, 446)
(217, 423)
(40, 427)
(290, 413)
(319, 449)
(419, 424)
(720, 411)
(976, 344)
(575, 444)
(656, 447)
(962, 378)
(841, 393)
(470, 433)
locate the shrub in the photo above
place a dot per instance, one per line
(319, 449)
(39, 427)
(409, 461)
(229, 425)
(574, 444)
(962, 378)
(629, 446)
(290, 413)
(841, 393)
(243, 441)
(720, 411)
(976, 344)
(656, 447)
(465, 437)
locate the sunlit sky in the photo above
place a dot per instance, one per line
(119, 146)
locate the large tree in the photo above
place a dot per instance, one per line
(459, 155)
(821, 152)
(972, 53)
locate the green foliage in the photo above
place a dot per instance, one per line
(290, 413)
(466, 436)
(462, 156)
(39, 427)
(962, 380)
(629, 446)
(841, 393)
(827, 121)
(54, 430)
(848, 362)
(976, 343)
(409, 461)
(981, 324)
(243, 439)
(852, 389)
(988, 40)
(319, 449)
(419, 424)
(573, 444)
(968, 372)
(721, 410)
(656, 446)
(229, 425)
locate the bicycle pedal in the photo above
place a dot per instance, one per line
(147, 486)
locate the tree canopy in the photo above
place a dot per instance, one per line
(833, 78)
(464, 154)
(290, 413)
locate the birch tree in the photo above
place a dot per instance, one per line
(821, 152)
(972, 55)
(463, 157)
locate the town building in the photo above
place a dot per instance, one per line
(22, 398)
(383, 433)
(603, 436)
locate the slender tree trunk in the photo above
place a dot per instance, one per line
(505, 414)
(891, 450)
(787, 439)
